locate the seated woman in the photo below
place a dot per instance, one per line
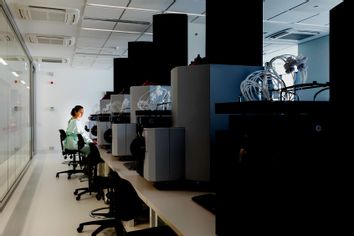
(75, 127)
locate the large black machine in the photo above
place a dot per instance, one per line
(91, 126)
(104, 130)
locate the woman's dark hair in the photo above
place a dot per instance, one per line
(76, 109)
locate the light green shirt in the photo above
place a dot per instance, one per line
(75, 127)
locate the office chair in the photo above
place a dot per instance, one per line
(95, 183)
(125, 205)
(73, 154)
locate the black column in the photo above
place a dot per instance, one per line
(143, 60)
(170, 36)
(121, 75)
(341, 91)
(234, 32)
(341, 45)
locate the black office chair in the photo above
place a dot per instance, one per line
(125, 205)
(95, 183)
(75, 155)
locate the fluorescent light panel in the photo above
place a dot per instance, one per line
(2, 61)
(15, 74)
(114, 31)
(121, 7)
(142, 9)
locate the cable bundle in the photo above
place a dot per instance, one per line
(151, 100)
(260, 85)
(268, 85)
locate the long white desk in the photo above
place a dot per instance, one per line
(175, 208)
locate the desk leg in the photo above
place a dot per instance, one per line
(153, 218)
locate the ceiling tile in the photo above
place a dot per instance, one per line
(190, 6)
(320, 19)
(292, 16)
(272, 8)
(103, 12)
(318, 6)
(152, 4)
(88, 50)
(98, 24)
(145, 37)
(85, 42)
(94, 34)
(130, 27)
(110, 2)
(138, 15)
(198, 19)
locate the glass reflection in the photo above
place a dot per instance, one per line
(15, 127)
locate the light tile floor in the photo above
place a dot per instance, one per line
(45, 205)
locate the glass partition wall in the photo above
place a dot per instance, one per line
(15, 106)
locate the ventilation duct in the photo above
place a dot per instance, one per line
(51, 39)
(290, 34)
(31, 12)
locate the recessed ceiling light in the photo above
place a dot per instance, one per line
(115, 31)
(2, 61)
(15, 74)
(142, 9)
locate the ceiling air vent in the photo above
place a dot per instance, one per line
(293, 35)
(51, 39)
(6, 37)
(52, 60)
(31, 12)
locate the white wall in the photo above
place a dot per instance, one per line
(196, 41)
(70, 87)
(317, 52)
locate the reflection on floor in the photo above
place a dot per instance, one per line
(45, 205)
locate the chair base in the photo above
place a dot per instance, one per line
(69, 172)
(106, 223)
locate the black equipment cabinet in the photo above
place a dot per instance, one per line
(280, 135)
(274, 165)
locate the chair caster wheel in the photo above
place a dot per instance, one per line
(57, 175)
(69, 176)
(79, 229)
(78, 198)
(75, 192)
(98, 197)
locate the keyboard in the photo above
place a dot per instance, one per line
(208, 201)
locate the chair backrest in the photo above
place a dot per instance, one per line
(80, 142)
(94, 157)
(126, 202)
(91, 162)
(62, 138)
(62, 134)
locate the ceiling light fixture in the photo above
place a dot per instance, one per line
(2, 61)
(121, 7)
(142, 9)
(187, 13)
(15, 74)
(115, 31)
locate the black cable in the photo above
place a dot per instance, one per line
(318, 92)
